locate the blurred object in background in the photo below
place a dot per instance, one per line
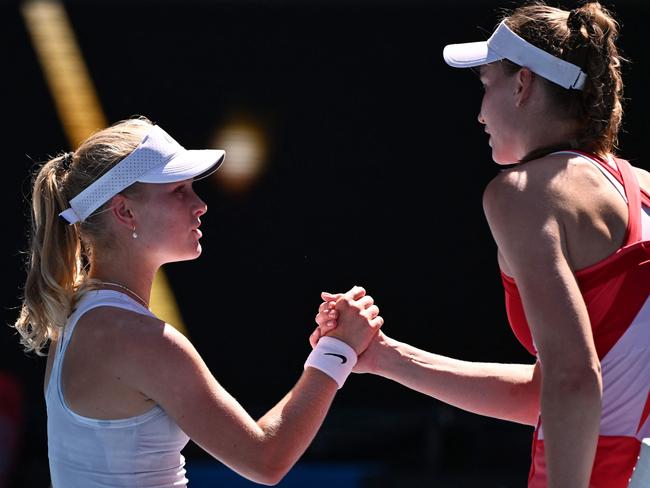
(63, 66)
(11, 425)
(246, 145)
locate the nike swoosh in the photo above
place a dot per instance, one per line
(341, 356)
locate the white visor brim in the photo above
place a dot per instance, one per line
(157, 159)
(505, 44)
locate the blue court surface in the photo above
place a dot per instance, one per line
(313, 475)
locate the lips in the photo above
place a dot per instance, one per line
(196, 229)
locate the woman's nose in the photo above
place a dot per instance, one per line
(201, 206)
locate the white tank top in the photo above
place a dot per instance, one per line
(142, 451)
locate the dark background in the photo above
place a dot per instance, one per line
(376, 169)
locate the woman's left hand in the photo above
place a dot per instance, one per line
(326, 318)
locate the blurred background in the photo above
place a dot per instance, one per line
(354, 156)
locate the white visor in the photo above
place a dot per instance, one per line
(158, 159)
(506, 44)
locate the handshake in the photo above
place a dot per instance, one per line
(348, 327)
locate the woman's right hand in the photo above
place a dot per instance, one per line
(357, 318)
(328, 322)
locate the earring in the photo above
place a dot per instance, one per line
(134, 234)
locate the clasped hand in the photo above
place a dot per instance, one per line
(351, 317)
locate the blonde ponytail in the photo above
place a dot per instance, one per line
(60, 254)
(54, 266)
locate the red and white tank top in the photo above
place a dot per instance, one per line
(616, 291)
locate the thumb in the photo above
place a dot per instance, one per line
(330, 297)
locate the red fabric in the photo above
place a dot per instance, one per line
(615, 460)
(614, 290)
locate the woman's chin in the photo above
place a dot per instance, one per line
(188, 256)
(503, 159)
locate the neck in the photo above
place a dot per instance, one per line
(137, 282)
(556, 133)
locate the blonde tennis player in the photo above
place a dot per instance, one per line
(124, 390)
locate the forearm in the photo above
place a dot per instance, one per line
(289, 427)
(571, 421)
(505, 391)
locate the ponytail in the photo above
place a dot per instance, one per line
(54, 267)
(60, 254)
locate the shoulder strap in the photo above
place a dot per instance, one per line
(633, 193)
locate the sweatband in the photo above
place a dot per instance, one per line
(334, 358)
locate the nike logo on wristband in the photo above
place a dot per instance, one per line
(341, 356)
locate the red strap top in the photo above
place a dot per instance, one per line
(614, 280)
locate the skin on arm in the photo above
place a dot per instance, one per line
(171, 372)
(504, 391)
(529, 231)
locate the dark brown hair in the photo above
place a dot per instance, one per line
(585, 36)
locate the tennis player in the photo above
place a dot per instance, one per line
(125, 391)
(572, 224)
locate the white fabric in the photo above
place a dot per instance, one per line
(626, 369)
(136, 452)
(645, 223)
(641, 475)
(158, 159)
(504, 43)
(334, 358)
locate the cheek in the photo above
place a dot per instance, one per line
(158, 228)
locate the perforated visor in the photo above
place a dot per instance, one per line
(158, 159)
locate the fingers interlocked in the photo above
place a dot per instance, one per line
(354, 301)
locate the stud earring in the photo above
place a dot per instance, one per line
(134, 234)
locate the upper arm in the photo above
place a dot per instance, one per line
(526, 220)
(171, 372)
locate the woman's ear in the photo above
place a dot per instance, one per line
(523, 86)
(122, 211)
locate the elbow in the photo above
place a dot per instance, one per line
(580, 381)
(273, 479)
(270, 470)
(271, 476)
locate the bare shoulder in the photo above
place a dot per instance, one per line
(523, 188)
(551, 184)
(118, 328)
(137, 346)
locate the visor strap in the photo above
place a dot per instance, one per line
(126, 172)
(509, 45)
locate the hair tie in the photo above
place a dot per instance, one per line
(574, 21)
(578, 45)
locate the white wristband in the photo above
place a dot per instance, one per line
(334, 358)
